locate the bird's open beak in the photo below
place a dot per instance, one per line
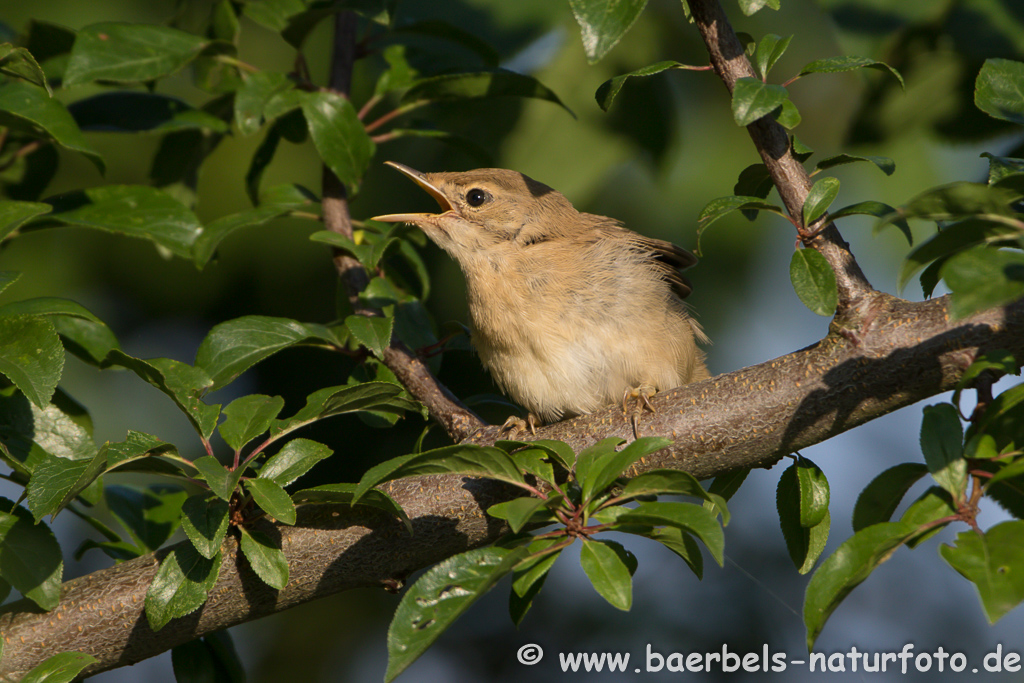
(418, 178)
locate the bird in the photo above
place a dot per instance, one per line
(570, 312)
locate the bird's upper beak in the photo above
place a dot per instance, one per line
(420, 180)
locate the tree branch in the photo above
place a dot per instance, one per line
(772, 142)
(456, 419)
(903, 353)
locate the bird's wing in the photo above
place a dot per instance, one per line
(669, 258)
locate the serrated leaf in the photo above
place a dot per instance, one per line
(529, 578)
(439, 597)
(234, 346)
(26, 108)
(247, 417)
(60, 668)
(253, 95)
(127, 111)
(1002, 167)
(375, 396)
(294, 459)
(819, 198)
(17, 62)
(607, 572)
(814, 281)
(31, 356)
(30, 557)
(129, 53)
(832, 65)
(217, 231)
(273, 499)
(753, 98)
(265, 558)
(846, 568)
(690, 518)
(339, 136)
(600, 465)
(770, 50)
(344, 493)
(982, 278)
(805, 542)
(951, 240)
(14, 214)
(604, 22)
(150, 515)
(999, 90)
(399, 75)
(787, 115)
(139, 446)
(372, 332)
(932, 506)
(205, 521)
(722, 206)
(956, 201)
(609, 90)
(519, 512)
(880, 498)
(994, 563)
(814, 492)
(750, 7)
(57, 481)
(682, 544)
(664, 482)
(184, 384)
(486, 83)
(220, 479)
(132, 210)
(878, 210)
(479, 461)
(942, 439)
(181, 585)
(885, 164)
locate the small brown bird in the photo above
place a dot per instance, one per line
(570, 311)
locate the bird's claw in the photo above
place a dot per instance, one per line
(641, 397)
(515, 424)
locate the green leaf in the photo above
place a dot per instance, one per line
(205, 521)
(722, 488)
(722, 206)
(127, 111)
(211, 659)
(814, 492)
(129, 53)
(682, 544)
(30, 557)
(217, 231)
(344, 493)
(950, 240)
(604, 22)
(28, 109)
(788, 115)
(820, 197)
(17, 62)
(479, 461)
(14, 214)
(132, 210)
(253, 96)
(608, 573)
(982, 278)
(956, 201)
(999, 90)
(994, 563)
(753, 98)
(31, 356)
(833, 65)
(57, 481)
(1002, 167)
(487, 83)
(876, 209)
(376, 396)
(183, 383)
(528, 578)
(999, 361)
(247, 417)
(664, 482)
(234, 346)
(399, 75)
(339, 136)
(439, 597)
(750, 7)
(60, 668)
(181, 585)
(885, 164)
(372, 332)
(600, 465)
(220, 479)
(770, 50)
(814, 281)
(690, 518)
(942, 439)
(519, 512)
(150, 515)
(879, 499)
(273, 499)
(931, 506)
(265, 557)
(847, 567)
(294, 459)
(805, 542)
(609, 90)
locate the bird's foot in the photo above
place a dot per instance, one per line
(515, 424)
(640, 397)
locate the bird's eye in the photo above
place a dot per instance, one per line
(476, 197)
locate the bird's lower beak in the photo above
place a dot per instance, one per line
(418, 178)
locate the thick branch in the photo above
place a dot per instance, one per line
(456, 419)
(901, 353)
(773, 145)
